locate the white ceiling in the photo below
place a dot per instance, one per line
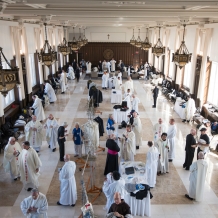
(86, 13)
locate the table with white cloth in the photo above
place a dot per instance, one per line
(111, 82)
(116, 98)
(138, 207)
(119, 116)
(179, 110)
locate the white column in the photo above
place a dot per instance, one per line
(166, 67)
(1, 105)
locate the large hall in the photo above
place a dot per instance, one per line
(115, 70)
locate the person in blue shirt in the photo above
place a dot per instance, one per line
(214, 126)
(110, 124)
(77, 138)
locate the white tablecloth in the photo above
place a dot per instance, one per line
(116, 98)
(179, 110)
(119, 116)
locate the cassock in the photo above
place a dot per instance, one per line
(34, 137)
(151, 166)
(171, 134)
(163, 163)
(112, 62)
(108, 67)
(62, 82)
(110, 187)
(104, 81)
(50, 92)
(112, 157)
(51, 132)
(128, 147)
(10, 161)
(128, 85)
(70, 73)
(137, 129)
(28, 163)
(135, 102)
(197, 179)
(190, 109)
(68, 191)
(38, 109)
(40, 203)
(158, 130)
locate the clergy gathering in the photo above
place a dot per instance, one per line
(108, 109)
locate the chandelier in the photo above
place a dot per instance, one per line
(132, 40)
(146, 45)
(138, 42)
(47, 56)
(182, 55)
(158, 49)
(85, 40)
(8, 77)
(63, 47)
(73, 44)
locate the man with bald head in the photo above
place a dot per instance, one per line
(189, 149)
(51, 127)
(68, 191)
(11, 153)
(33, 133)
(119, 208)
(197, 178)
(159, 128)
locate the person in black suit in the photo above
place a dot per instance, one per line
(61, 139)
(155, 95)
(74, 65)
(77, 73)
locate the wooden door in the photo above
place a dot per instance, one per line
(136, 60)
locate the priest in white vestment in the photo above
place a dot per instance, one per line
(88, 67)
(197, 178)
(70, 74)
(113, 63)
(113, 183)
(29, 164)
(11, 153)
(104, 66)
(137, 129)
(117, 83)
(51, 127)
(135, 103)
(152, 158)
(108, 67)
(128, 85)
(163, 148)
(159, 128)
(128, 147)
(189, 109)
(68, 191)
(38, 108)
(33, 133)
(171, 134)
(62, 82)
(104, 80)
(50, 92)
(35, 206)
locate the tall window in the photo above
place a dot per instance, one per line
(213, 87)
(32, 69)
(171, 68)
(187, 75)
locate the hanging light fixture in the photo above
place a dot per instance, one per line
(80, 42)
(8, 77)
(47, 56)
(63, 47)
(73, 44)
(182, 55)
(132, 40)
(146, 45)
(138, 42)
(85, 40)
(158, 49)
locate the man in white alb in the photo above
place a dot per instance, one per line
(159, 128)
(171, 134)
(104, 80)
(189, 109)
(108, 67)
(151, 164)
(137, 129)
(135, 103)
(11, 154)
(113, 63)
(51, 127)
(197, 178)
(68, 191)
(104, 66)
(127, 97)
(70, 74)
(38, 108)
(62, 82)
(50, 92)
(35, 206)
(33, 133)
(29, 164)
(128, 85)
(118, 83)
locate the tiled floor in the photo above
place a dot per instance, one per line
(69, 108)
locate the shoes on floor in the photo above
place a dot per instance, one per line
(73, 205)
(170, 160)
(187, 168)
(62, 92)
(49, 146)
(187, 196)
(183, 121)
(15, 179)
(29, 189)
(53, 150)
(58, 203)
(153, 106)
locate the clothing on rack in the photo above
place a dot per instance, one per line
(100, 125)
(96, 95)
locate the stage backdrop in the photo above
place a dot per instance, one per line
(95, 51)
